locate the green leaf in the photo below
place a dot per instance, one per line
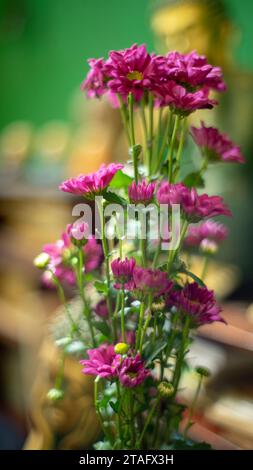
(114, 198)
(115, 406)
(194, 180)
(88, 277)
(120, 180)
(101, 287)
(103, 328)
(195, 278)
(160, 346)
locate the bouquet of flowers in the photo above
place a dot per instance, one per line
(140, 301)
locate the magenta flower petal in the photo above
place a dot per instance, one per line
(216, 146)
(93, 184)
(199, 303)
(123, 273)
(194, 206)
(151, 281)
(207, 230)
(132, 372)
(141, 192)
(102, 362)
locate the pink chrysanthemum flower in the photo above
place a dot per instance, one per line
(59, 253)
(78, 230)
(102, 362)
(93, 184)
(141, 192)
(193, 71)
(94, 84)
(123, 273)
(181, 101)
(132, 372)
(207, 230)
(151, 281)
(101, 309)
(130, 71)
(93, 255)
(195, 207)
(199, 303)
(216, 146)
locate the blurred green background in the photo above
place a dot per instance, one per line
(45, 44)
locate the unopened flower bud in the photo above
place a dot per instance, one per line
(165, 389)
(208, 247)
(121, 348)
(41, 261)
(54, 394)
(74, 261)
(203, 371)
(157, 306)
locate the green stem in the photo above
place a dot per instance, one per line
(143, 243)
(193, 406)
(141, 316)
(164, 141)
(86, 307)
(96, 403)
(171, 339)
(132, 135)
(180, 146)
(132, 420)
(60, 373)
(172, 253)
(60, 290)
(149, 417)
(145, 327)
(181, 354)
(124, 117)
(171, 149)
(144, 124)
(107, 269)
(119, 399)
(158, 136)
(123, 333)
(204, 268)
(157, 253)
(151, 132)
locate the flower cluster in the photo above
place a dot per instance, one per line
(105, 363)
(139, 311)
(62, 254)
(137, 278)
(181, 81)
(216, 146)
(194, 206)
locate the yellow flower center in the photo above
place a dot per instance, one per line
(135, 75)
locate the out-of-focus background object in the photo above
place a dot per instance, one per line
(49, 130)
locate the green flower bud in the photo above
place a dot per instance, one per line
(121, 348)
(208, 247)
(41, 261)
(54, 394)
(157, 306)
(203, 371)
(74, 261)
(165, 389)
